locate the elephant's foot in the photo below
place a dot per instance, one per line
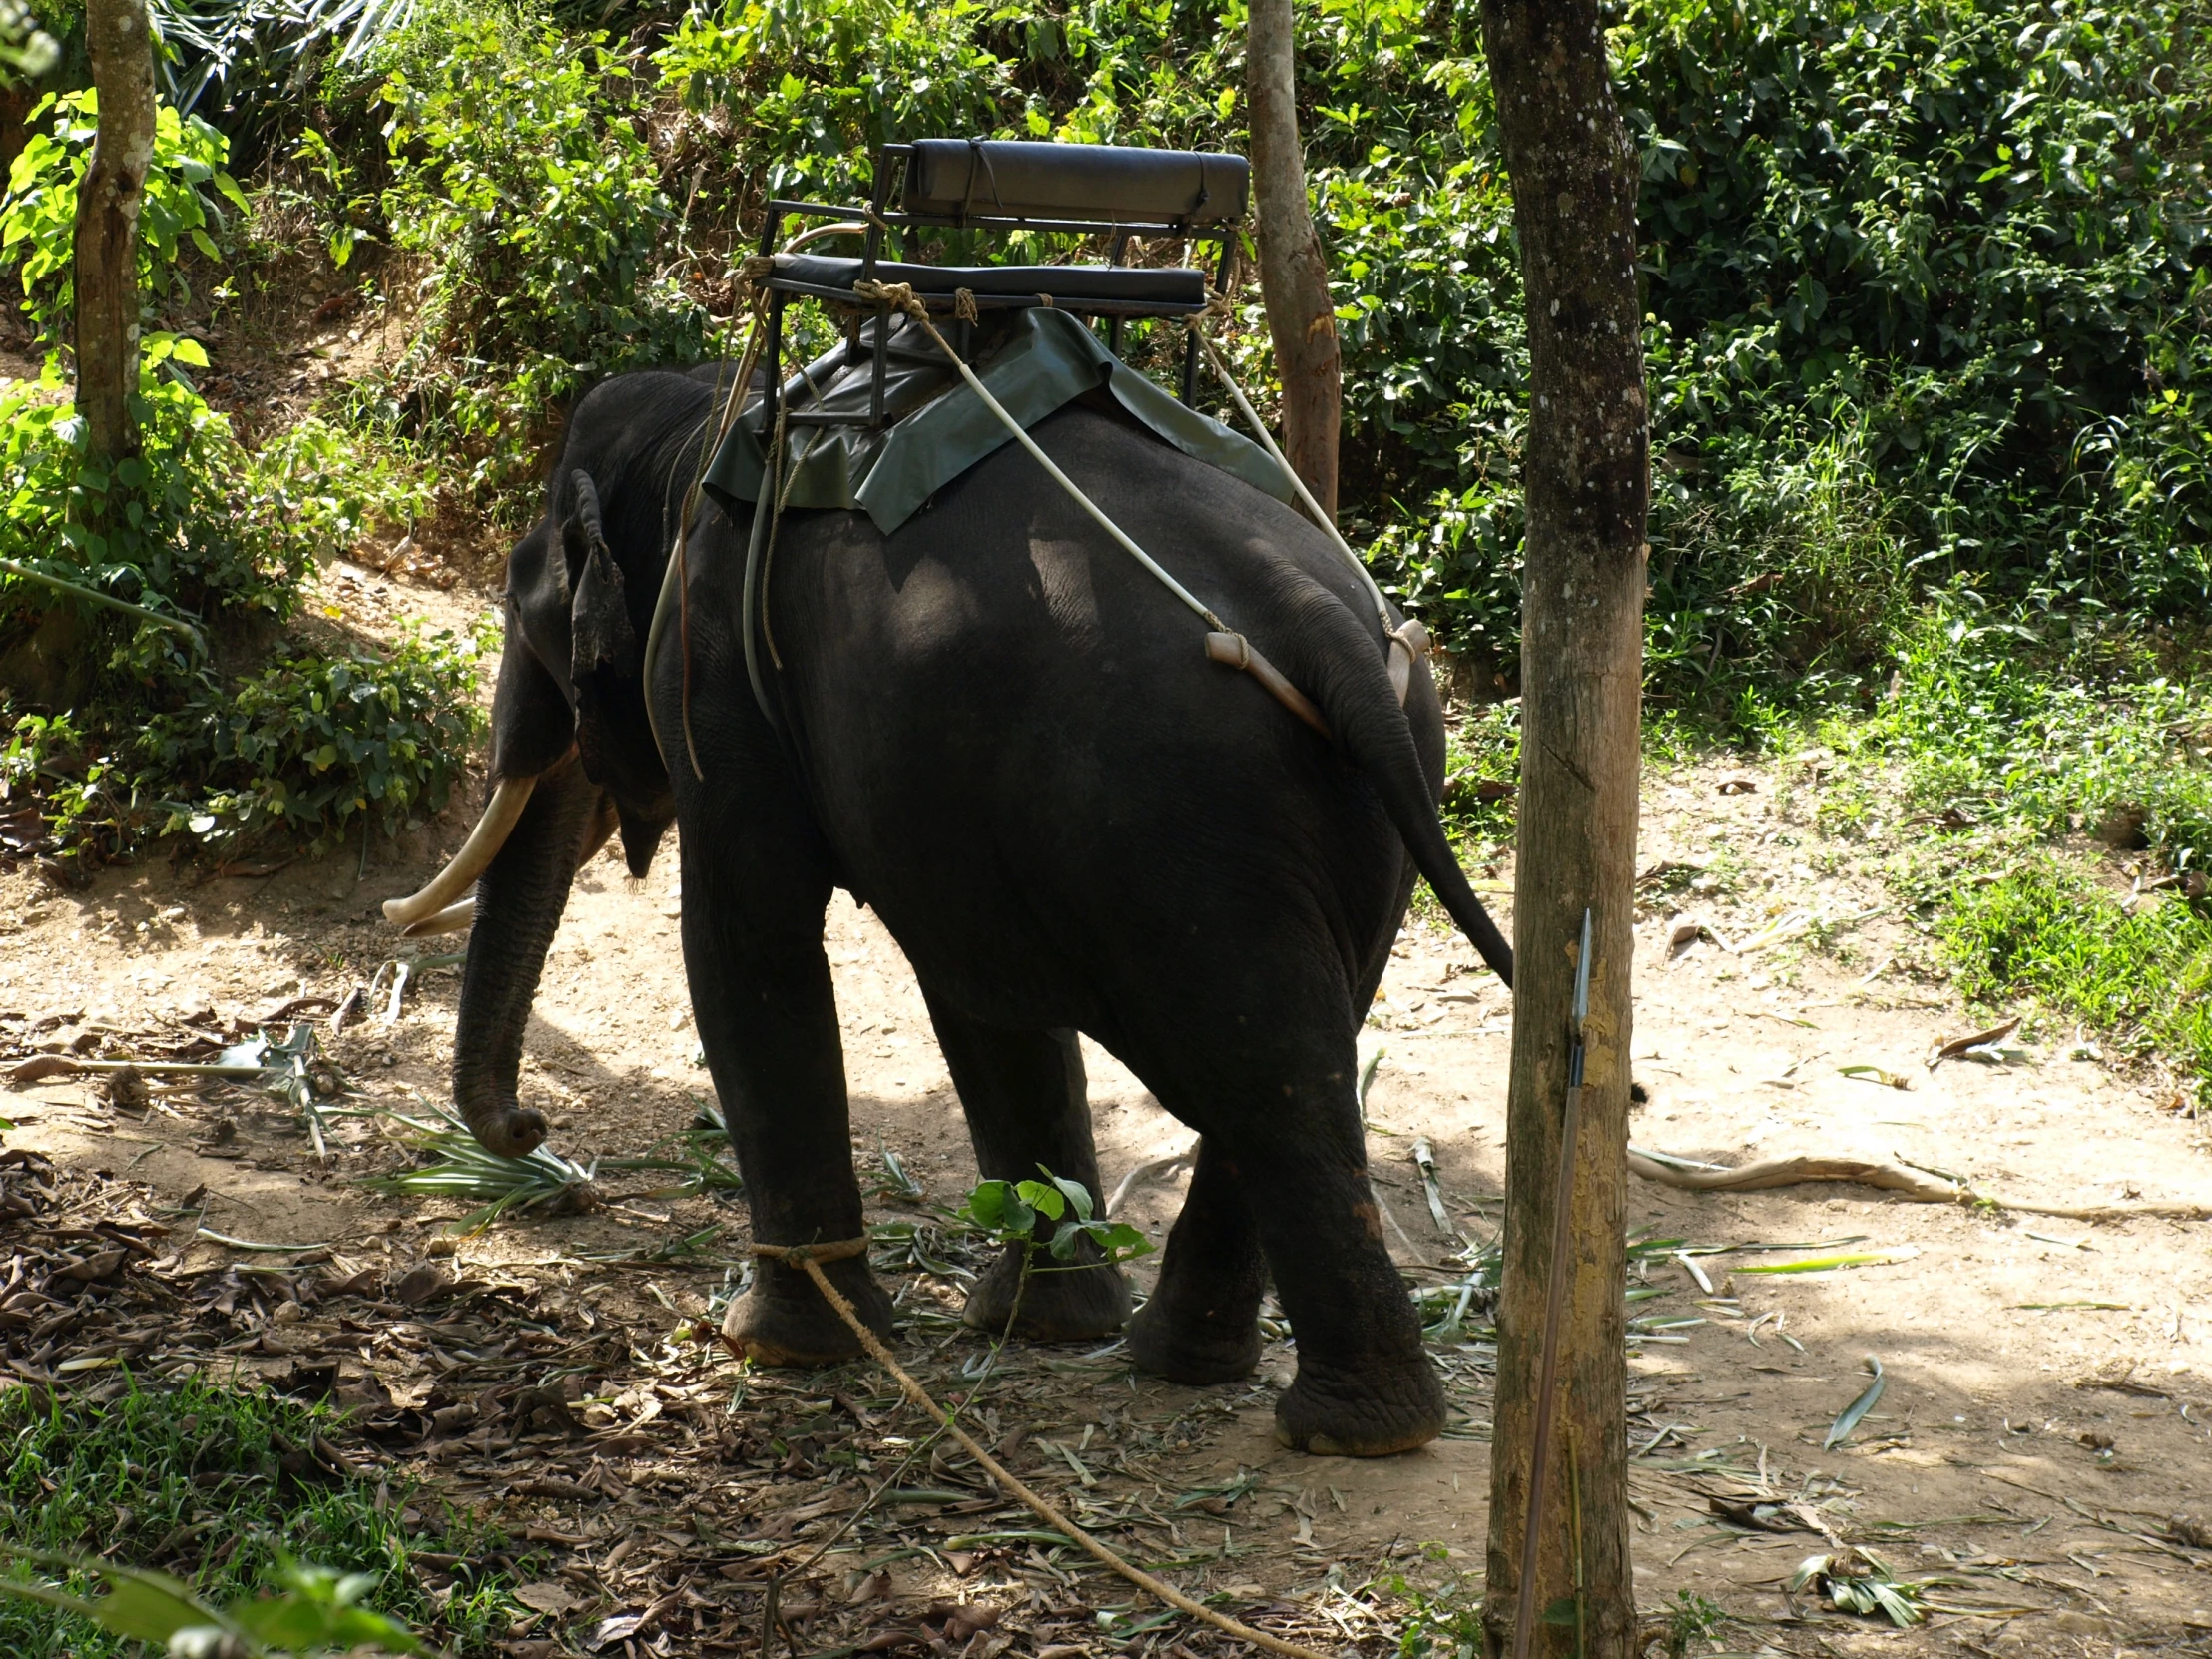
(1170, 1337)
(783, 1320)
(1058, 1305)
(1372, 1412)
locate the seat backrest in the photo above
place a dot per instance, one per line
(965, 178)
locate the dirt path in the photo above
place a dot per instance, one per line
(2046, 1404)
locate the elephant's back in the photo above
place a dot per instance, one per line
(1013, 729)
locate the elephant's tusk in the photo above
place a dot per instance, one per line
(452, 920)
(484, 842)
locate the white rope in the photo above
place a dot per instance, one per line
(1305, 495)
(902, 295)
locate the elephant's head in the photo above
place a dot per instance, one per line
(574, 758)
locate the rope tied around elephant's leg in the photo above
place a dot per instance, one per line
(834, 1250)
(901, 296)
(811, 1258)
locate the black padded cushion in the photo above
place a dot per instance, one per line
(1011, 178)
(1075, 285)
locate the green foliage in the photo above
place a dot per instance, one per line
(1482, 771)
(237, 59)
(26, 50)
(312, 1611)
(308, 744)
(189, 524)
(2028, 716)
(1955, 244)
(810, 86)
(299, 751)
(1011, 1212)
(518, 167)
(1690, 1619)
(226, 1479)
(195, 527)
(38, 220)
(2053, 933)
(1442, 1620)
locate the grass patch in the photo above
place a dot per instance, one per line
(2053, 933)
(211, 1483)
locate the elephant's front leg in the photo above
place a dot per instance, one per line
(755, 884)
(1023, 1092)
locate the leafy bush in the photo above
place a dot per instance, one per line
(180, 207)
(2051, 934)
(308, 744)
(221, 1477)
(188, 524)
(195, 527)
(519, 170)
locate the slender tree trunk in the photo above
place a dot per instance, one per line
(1574, 179)
(106, 272)
(1293, 272)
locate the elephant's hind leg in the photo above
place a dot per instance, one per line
(1202, 1321)
(1278, 1118)
(1028, 1108)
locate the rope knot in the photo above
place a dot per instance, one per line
(963, 306)
(756, 268)
(899, 297)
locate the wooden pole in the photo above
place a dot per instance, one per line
(105, 273)
(1294, 272)
(1574, 178)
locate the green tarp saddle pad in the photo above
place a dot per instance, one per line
(936, 428)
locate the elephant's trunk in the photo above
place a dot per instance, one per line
(519, 899)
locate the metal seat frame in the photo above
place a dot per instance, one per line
(883, 220)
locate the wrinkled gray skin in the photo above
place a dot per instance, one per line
(1010, 744)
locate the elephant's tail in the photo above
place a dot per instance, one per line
(1342, 669)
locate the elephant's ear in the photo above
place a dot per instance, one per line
(613, 736)
(600, 634)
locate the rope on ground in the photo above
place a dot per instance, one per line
(1914, 1186)
(811, 1258)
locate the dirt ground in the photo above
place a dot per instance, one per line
(2038, 1455)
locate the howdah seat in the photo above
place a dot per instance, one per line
(1012, 184)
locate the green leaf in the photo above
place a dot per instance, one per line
(1077, 1195)
(1840, 1431)
(1044, 1198)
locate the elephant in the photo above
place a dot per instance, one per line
(994, 728)
(567, 770)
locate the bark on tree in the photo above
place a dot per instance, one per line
(105, 275)
(1574, 178)
(1294, 272)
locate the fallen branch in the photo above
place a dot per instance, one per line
(811, 1258)
(1913, 1185)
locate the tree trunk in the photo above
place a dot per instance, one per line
(1293, 272)
(105, 277)
(1574, 178)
